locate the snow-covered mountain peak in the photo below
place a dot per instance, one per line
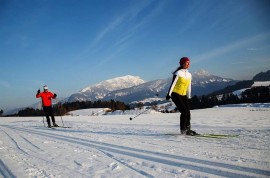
(132, 88)
(116, 83)
(127, 81)
(203, 77)
(202, 73)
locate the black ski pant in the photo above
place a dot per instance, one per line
(48, 112)
(182, 105)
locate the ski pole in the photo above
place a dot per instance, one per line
(139, 114)
(143, 111)
(42, 115)
(60, 112)
(43, 121)
(62, 121)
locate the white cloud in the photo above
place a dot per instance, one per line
(108, 29)
(128, 16)
(231, 47)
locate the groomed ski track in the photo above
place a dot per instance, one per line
(94, 148)
(209, 167)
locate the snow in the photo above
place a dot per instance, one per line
(239, 92)
(260, 84)
(114, 146)
(252, 105)
(89, 112)
(148, 100)
(116, 83)
(202, 73)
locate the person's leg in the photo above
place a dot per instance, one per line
(188, 118)
(47, 114)
(180, 104)
(52, 117)
(187, 110)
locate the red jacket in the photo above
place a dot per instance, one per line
(46, 98)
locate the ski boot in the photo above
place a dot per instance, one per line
(55, 125)
(191, 133)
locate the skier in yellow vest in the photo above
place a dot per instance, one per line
(180, 92)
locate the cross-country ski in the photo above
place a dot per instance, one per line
(218, 136)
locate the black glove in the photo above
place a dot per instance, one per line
(38, 91)
(168, 97)
(55, 95)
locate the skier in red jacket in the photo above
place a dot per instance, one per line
(47, 97)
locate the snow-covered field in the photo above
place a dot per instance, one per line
(113, 146)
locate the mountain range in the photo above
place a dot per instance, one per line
(130, 89)
(133, 89)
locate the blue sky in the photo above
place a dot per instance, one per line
(71, 44)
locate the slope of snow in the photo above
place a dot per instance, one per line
(261, 84)
(239, 92)
(89, 112)
(204, 77)
(249, 105)
(102, 89)
(114, 146)
(202, 73)
(116, 83)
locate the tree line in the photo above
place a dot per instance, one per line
(252, 95)
(62, 109)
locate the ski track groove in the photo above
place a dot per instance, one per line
(107, 154)
(4, 171)
(31, 143)
(126, 165)
(26, 140)
(142, 173)
(105, 147)
(36, 157)
(15, 143)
